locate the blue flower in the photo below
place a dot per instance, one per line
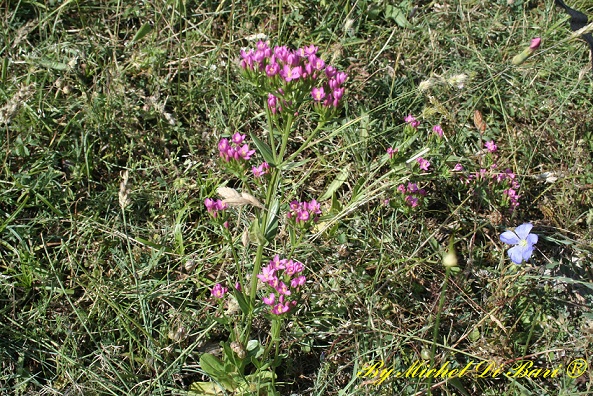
(523, 242)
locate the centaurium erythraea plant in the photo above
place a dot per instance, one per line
(235, 149)
(502, 185)
(304, 213)
(284, 280)
(214, 206)
(412, 194)
(290, 78)
(412, 121)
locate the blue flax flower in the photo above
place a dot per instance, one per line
(523, 242)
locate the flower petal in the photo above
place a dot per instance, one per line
(509, 237)
(516, 254)
(527, 252)
(523, 230)
(532, 239)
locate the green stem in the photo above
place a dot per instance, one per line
(285, 134)
(270, 196)
(274, 342)
(435, 331)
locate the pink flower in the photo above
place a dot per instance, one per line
(303, 216)
(289, 74)
(238, 138)
(401, 188)
(318, 94)
(391, 151)
(316, 63)
(412, 201)
(267, 275)
(330, 71)
(223, 148)
(262, 45)
(247, 61)
(269, 300)
(214, 207)
(280, 309)
(276, 263)
(245, 153)
(412, 187)
(338, 93)
(341, 78)
(294, 205)
(438, 130)
(490, 146)
(282, 289)
(262, 169)
(218, 291)
(281, 53)
(293, 267)
(298, 281)
(410, 119)
(513, 197)
(424, 164)
(457, 168)
(310, 50)
(272, 69)
(273, 103)
(313, 207)
(293, 59)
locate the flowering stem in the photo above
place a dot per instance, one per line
(285, 134)
(270, 195)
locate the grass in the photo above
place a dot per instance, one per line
(99, 300)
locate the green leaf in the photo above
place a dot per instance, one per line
(50, 64)
(143, 31)
(255, 349)
(242, 302)
(215, 369)
(255, 234)
(456, 382)
(263, 149)
(397, 15)
(272, 224)
(336, 205)
(206, 388)
(337, 183)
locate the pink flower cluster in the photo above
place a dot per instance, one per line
(412, 121)
(283, 276)
(302, 212)
(219, 291)
(413, 193)
(423, 163)
(438, 130)
(283, 66)
(392, 151)
(506, 179)
(214, 207)
(235, 149)
(490, 146)
(260, 170)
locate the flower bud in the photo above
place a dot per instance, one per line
(450, 259)
(535, 43)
